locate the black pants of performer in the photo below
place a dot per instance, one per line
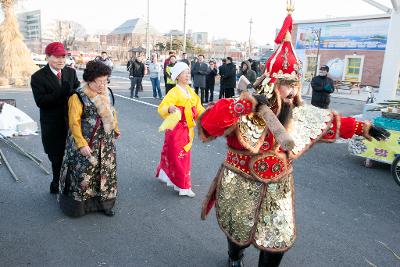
(209, 94)
(221, 93)
(202, 92)
(56, 163)
(266, 259)
(168, 87)
(229, 92)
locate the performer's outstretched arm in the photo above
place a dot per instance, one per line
(225, 113)
(347, 127)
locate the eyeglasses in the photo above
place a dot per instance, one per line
(104, 83)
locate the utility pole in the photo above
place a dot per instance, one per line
(318, 34)
(170, 40)
(184, 26)
(250, 22)
(147, 31)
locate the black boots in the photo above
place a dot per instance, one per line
(269, 259)
(235, 263)
(109, 212)
(266, 259)
(54, 188)
(235, 254)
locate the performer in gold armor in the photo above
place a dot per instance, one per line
(253, 192)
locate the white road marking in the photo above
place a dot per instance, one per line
(127, 79)
(137, 101)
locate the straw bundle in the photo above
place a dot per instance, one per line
(16, 64)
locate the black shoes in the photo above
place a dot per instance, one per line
(237, 263)
(109, 213)
(54, 188)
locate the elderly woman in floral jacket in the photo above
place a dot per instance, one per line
(88, 179)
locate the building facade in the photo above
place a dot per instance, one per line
(130, 34)
(353, 48)
(30, 25)
(200, 38)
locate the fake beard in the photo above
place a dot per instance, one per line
(285, 116)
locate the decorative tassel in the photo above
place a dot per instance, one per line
(287, 26)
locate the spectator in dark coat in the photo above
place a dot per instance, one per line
(322, 87)
(228, 78)
(221, 71)
(166, 63)
(245, 69)
(194, 61)
(51, 87)
(210, 82)
(200, 70)
(136, 74)
(185, 59)
(255, 66)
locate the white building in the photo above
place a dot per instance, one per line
(30, 25)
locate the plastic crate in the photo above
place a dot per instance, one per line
(387, 123)
(391, 115)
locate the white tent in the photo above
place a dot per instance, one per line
(13, 121)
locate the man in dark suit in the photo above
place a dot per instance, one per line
(228, 78)
(221, 72)
(52, 86)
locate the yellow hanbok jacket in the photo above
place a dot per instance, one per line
(185, 102)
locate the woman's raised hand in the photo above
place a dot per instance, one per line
(86, 151)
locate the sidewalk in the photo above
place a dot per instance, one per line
(362, 96)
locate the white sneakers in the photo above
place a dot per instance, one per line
(186, 192)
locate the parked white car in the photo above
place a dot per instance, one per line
(40, 60)
(69, 62)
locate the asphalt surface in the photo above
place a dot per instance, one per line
(343, 210)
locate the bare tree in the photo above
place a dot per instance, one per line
(66, 32)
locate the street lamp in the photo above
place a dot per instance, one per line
(317, 32)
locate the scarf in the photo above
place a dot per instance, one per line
(103, 105)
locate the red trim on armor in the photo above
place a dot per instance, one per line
(240, 107)
(265, 167)
(359, 128)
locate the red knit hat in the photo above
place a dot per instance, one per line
(283, 63)
(55, 49)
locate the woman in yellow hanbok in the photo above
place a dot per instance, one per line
(174, 167)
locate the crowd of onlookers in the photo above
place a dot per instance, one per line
(203, 74)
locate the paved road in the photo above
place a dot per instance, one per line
(343, 209)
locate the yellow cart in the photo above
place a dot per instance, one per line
(385, 151)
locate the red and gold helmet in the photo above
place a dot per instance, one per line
(283, 63)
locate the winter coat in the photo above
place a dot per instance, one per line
(210, 79)
(136, 69)
(155, 70)
(200, 70)
(250, 74)
(184, 60)
(322, 87)
(228, 76)
(52, 99)
(106, 62)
